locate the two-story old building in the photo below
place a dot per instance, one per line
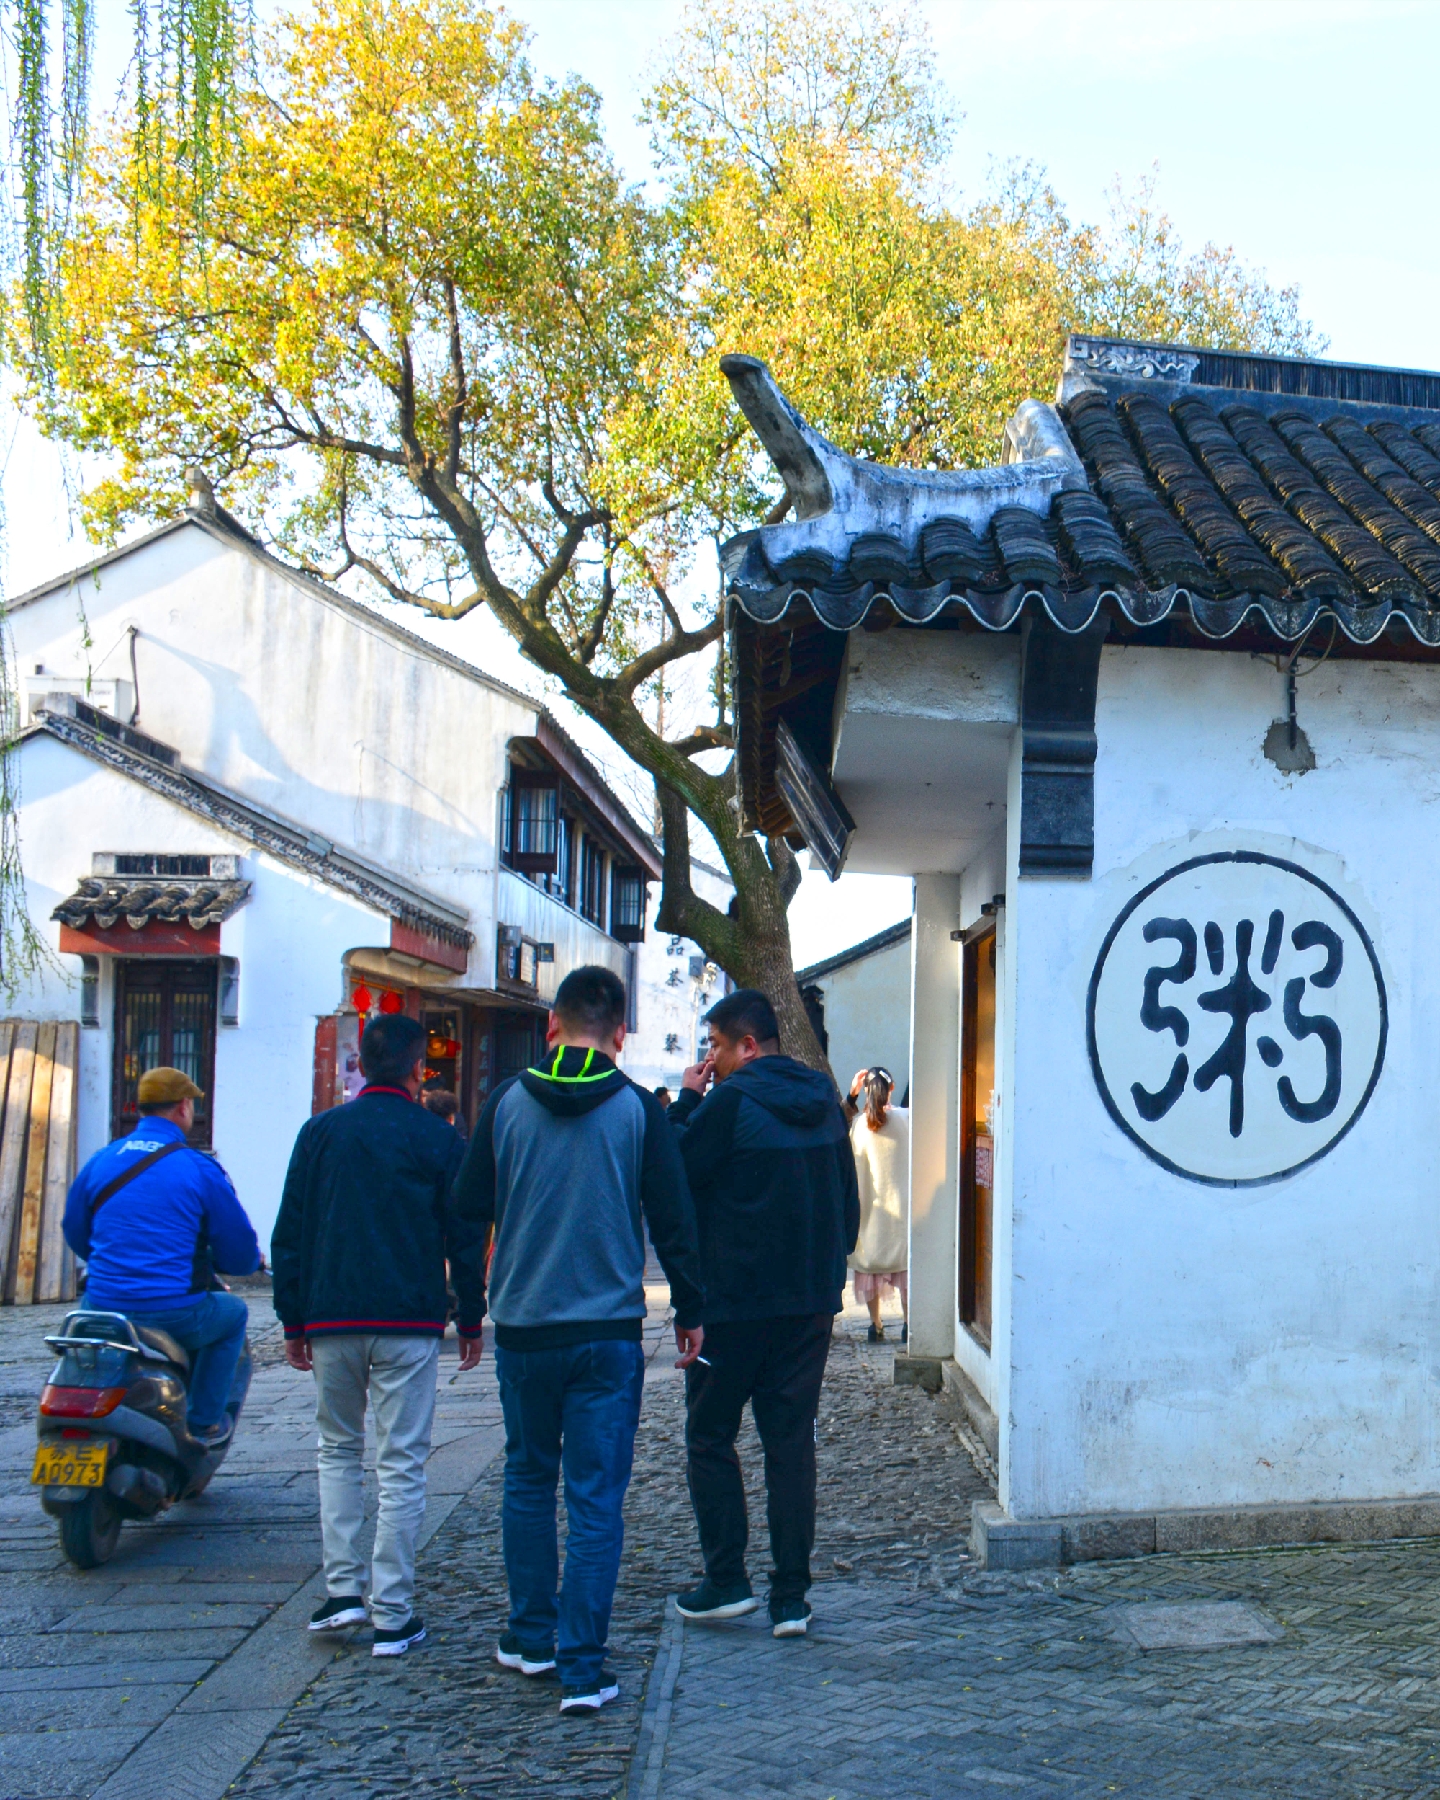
(254, 812)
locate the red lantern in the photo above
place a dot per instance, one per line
(361, 998)
(391, 1002)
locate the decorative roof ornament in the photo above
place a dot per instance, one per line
(141, 901)
(840, 500)
(1134, 362)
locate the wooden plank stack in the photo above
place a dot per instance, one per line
(39, 1084)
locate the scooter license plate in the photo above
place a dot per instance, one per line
(70, 1465)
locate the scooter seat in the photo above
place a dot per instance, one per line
(165, 1344)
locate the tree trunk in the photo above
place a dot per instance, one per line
(753, 946)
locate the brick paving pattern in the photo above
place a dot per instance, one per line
(922, 1675)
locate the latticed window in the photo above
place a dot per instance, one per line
(164, 1018)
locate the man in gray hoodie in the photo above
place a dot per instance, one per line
(567, 1159)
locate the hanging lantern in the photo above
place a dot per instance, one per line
(391, 1002)
(361, 999)
(436, 1047)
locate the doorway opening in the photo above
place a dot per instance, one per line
(978, 1103)
(164, 1018)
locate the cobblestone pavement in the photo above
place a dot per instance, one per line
(163, 1672)
(922, 1676)
(451, 1722)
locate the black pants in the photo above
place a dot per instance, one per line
(777, 1365)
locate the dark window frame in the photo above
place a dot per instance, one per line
(168, 980)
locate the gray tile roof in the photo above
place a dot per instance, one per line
(106, 743)
(109, 898)
(1260, 492)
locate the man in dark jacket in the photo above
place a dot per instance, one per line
(769, 1160)
(365, 1227)
(567, 1159)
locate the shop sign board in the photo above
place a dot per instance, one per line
(1237, 1018)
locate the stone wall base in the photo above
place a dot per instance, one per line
(999, 1542)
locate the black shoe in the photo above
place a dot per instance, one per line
(337, 1613)
(790, 1618)
(710, 1602)
(589, 1700)
(877, 1334)
(212, 1436)
(511, 1654)
(398, 1641)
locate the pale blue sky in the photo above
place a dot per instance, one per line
(1303, 132)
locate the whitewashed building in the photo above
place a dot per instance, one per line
(678, 984)
(859, 1003)
(253, 812)
(1151, 712)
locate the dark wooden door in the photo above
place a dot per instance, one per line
(977, 1130)
(164, 1018)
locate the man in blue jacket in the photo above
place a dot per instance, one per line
(153, 1220)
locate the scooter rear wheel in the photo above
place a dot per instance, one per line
(89, 1531)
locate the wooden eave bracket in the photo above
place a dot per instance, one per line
(1058, 680)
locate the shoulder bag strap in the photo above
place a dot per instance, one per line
(112, 1188)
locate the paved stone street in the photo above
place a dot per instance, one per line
(168, 1671)
(163, 1672)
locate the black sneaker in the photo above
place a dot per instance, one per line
(877, 1334)
(589, 1700)
(711, 1602)
(398, 1641)
(337, 1613)
(790, 1618)
(510, 1654)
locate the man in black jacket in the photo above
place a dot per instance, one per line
(366, 1225)
(769, 1160)
(568, 1159)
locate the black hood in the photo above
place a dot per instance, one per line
(798, 1095)
(571, 1082)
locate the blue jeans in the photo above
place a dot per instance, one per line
(577, 1408)
(212, 1328)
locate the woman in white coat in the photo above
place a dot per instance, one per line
(880, 1138)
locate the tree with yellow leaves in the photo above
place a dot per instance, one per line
(423, 336)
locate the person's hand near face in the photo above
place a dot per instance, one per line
(699, 1075)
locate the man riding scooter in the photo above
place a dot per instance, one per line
(153, 1219)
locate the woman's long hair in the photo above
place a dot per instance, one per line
(877, 1087)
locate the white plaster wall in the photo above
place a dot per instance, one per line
(1170, 1344)
(664, 1009)
(290, 938)
(309, 707)
(867, 1015)
(548, 921)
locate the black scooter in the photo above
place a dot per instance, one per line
(114, 1439)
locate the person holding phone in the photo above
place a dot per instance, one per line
(767, 1151)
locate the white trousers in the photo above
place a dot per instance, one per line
(399, 1375)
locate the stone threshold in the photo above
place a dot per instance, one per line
(999, 1542)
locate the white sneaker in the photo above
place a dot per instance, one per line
(509, 1655)
(591, 1700)
(397, 1641)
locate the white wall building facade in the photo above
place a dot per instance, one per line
(371, 823)
(1173, 1008)
(861, 998)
